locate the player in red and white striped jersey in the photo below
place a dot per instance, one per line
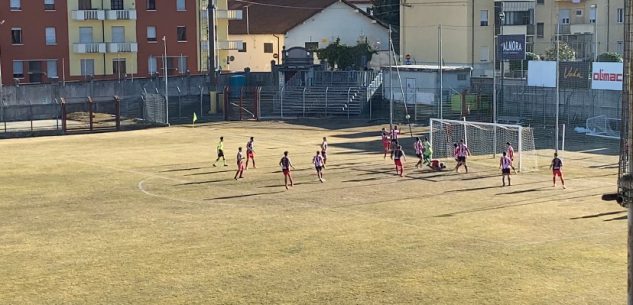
(461, 152)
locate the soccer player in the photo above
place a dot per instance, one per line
(436, 165)
(398, 157)
(317, 160)
(510, 154)
(385, 142)
(285, 168)
(240, 164)
(220, 149)
(418, 151)
(250, 152)
(504, 164)
(427, 152)
(461, 151)
(394, 133)
(324, 151)
(556, 166)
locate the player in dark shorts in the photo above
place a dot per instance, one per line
(285, 168)
(557, 170)
(317, 160)
(240, 164)
(220, 149)
(398, 157)
(394, 134)
(505, 164)
(250, 152)
(461, 152)
(324, 151)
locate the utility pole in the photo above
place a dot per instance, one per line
(390, 85)
(441, 69)
(166, 80)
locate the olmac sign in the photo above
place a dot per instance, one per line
(607, 75)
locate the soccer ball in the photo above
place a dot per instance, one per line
(407, 116)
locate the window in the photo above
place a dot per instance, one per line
(51, 38)
(15, 5)
(182, 64)
(268, 47)
(151, 33)
(116, 5)
(540, 30)
(16, 36)
(461, 76)
(85, 5)
(180, 5)
(51, 68)
(18, 69)
(620, 47)
(151, 5)
(85, 34)
(151, 65)
(49, 5)
(118, 67)
(563, 16)
(118, 34)
(484, 54)
(181, 33)
(592, 15)
(540, 1)
(87, 67)
(620, 15)
(483, 18)
(243, 49)
(579, 12)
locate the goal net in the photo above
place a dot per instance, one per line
(484, 139)
(603, 126)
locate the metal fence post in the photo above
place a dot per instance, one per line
(304, 102)
(179, 103)
(2, 113)
(281, 101)
(31, 114)
(201, 100)
(349, 102)
(90, 112)
(326, 90)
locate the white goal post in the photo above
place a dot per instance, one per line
(484, 139)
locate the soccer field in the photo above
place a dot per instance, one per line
(142, 217)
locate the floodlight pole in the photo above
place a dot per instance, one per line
(390, 85)
(441, 69)
(557, 78)
(166, 80)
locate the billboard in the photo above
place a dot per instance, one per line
(542, 73)
(573, 75)
(511, 47)
(607, 75)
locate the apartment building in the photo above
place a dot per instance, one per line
(467, 28)
(102, 39)
(33, 41)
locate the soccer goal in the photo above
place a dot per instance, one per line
(603, 126)
(484, 139)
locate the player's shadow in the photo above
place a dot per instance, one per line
(474, 189)
(243, 195)
(599, 215)
(201, 182)
(358, 135)
(209, 173)
(181, 169)
(617, 218)
(521, 191)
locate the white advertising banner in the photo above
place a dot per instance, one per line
(542, 73)
(607, 75)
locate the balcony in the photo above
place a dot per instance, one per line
(563, 29)
(121, 15)
(122, 47)
(231, 45)
(515, 30)
(229, 14)
(88, 15)
(87, 48)
(582, 28)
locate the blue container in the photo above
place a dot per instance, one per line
(236, 83)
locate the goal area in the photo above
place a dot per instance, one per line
(484, 139)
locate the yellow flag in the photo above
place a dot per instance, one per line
(195, 117)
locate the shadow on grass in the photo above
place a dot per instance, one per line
(598, 215)
(617, 218)
(202, 182)
(244, 195)
(522, 191)
(181, 169)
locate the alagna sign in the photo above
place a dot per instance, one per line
(607, 75)
(511, 47)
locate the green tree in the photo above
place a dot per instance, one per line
(566, 53)
(610, 57)
(343, 56)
